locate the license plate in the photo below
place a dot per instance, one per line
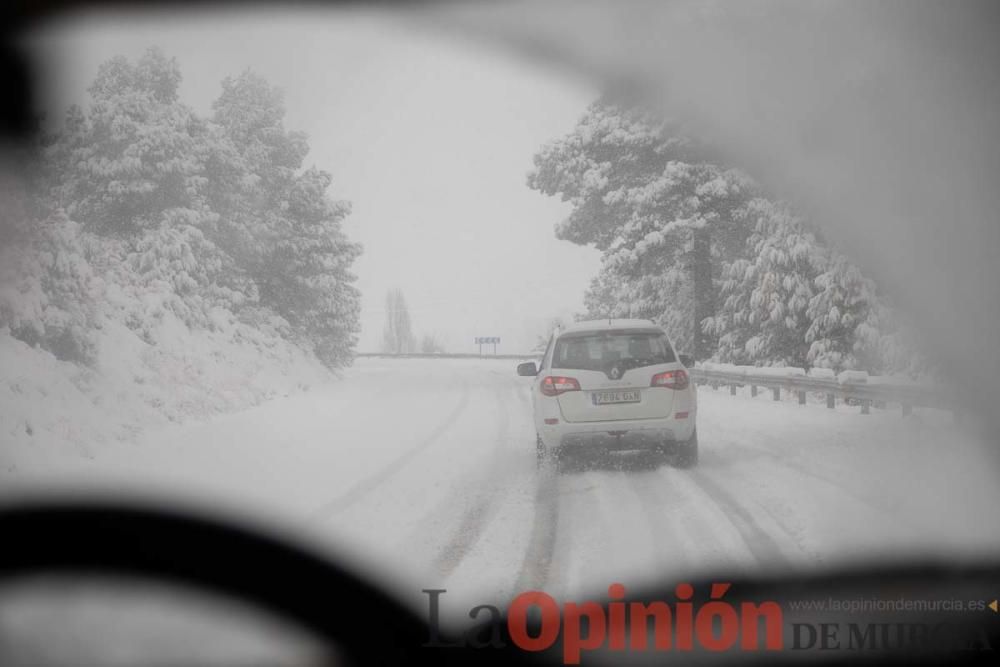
(611, 397)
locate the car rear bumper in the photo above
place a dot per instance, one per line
(617, 435)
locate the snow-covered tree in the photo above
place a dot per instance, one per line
(663, 297)
(136, 154)
(278, 221)
(132, 171)
(762, 317)
(48, 291)
(397, 334)
(429, 344)
(191, 215)
(792, 300)
(698, 247)
(647, 196)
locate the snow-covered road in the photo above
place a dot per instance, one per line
(425, 471)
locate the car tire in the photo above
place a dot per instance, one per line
(686, 453)
(540, 453)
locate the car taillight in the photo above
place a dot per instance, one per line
(670, 380)
(553, 385)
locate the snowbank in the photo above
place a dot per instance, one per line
(55, 409)
(780, 371)
(766, 371)
(852, 377)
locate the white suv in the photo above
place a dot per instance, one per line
(613, 385)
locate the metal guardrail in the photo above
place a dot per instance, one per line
(862, 393)
(854, 390)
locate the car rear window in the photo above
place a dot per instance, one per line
(597, 351)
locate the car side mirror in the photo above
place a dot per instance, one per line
(527, 368)
(686, 359)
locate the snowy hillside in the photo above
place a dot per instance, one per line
(159, 265)
(52, 410)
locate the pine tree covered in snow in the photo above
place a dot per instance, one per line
(135, 155)
(281, 225)
(850, 325)
(764, 295)
(791, 300)
(646, 195)
(697, 246)
(204, 220)
(48, 290)
(132, 170)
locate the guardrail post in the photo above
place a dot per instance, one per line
(850, 391)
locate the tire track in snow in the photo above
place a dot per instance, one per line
(625, 548)
(367, 485)
(475, 519)
(763, 547)
(788, 515)
(584, 540)
(541, 546)
(782, 462)
(707, 535)
(657, 513)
